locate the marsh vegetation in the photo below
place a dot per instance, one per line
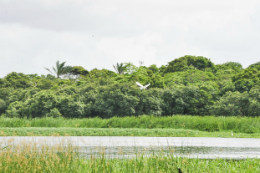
(182, 126)
(77, 102)
(30, 157)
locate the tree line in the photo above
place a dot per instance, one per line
(189, 85)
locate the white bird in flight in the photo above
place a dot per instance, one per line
(141, 86)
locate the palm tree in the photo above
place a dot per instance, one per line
(120, 69)
(60, 69)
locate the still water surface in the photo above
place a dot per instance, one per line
(193, 147)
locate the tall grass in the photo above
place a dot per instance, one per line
(69, 131)
(31, 157)
(206, 123)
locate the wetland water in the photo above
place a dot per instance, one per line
(193, 147)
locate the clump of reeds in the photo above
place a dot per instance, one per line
(35, 157)
(202, 123)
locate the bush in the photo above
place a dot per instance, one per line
(2, 106)
(189, 62)
(231, 104)
(54, 113)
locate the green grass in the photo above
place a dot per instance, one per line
(68, 131)
(171, 164)
(30, 158)
(206, 123)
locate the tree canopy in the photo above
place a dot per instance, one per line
(187, 85)
(189, 62)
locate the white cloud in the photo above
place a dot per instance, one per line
(97, 34)
(29, 50)
(133, 49)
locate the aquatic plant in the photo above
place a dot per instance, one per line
(40, 157)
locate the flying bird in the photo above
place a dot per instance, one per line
(141, 86)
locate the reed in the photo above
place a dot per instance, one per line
(157, 132)
(205, 123)
(32, 157)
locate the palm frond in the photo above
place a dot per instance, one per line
(119, 68)
(60, 69)
(48, 70)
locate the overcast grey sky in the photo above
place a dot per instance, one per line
(99, 33)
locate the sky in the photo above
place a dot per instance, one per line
(99, 33)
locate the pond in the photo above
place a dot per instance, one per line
(110, 146)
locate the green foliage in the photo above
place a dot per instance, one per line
(60, 69)
(255, 65)
(130, 68)
(114, 100)
(157, 81)
(237, 67)
(189, 77)
(16, 80)
(45, 83)
(150, 102)
(154, 68)
(236, 103)
(162, 69)
(142, 75)
(246, 79)
(5, 93)
(15, 109)
(109, 131)
(54, 113)
(254, 102)
(119, 68)
(69, 107)
(95, 73)
(187, 85)
(78, 70)
(189, 62)
(201, 123)
(245, 84)
(192, 100)
(224, 75)
(38, 157)
(2, 106)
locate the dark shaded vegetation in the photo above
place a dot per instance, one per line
(188, 85)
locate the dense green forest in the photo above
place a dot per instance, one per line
(188, 85)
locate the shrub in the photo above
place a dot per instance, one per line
(54, 113)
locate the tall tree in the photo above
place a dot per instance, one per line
(78, 70)
(60, 69)
(119, 68)
(189, 62)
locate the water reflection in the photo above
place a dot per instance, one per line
(190, 152)
(231, 148)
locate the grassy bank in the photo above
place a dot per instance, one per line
(206, 123)
(30, 158)
(68, 131)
